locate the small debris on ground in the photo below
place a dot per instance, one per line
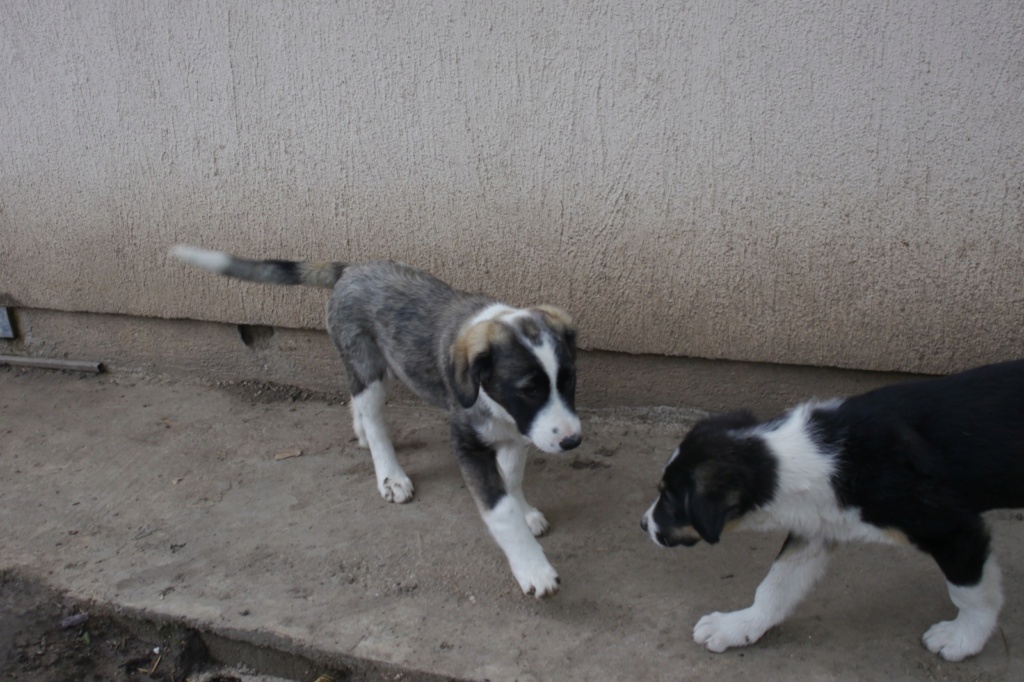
(288, 454)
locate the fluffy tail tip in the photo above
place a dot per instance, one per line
(214, 261)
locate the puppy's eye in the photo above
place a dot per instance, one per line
(533, 389)
(534, 385)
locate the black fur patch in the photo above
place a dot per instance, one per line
(288, 272)
(478, 463)
(927, 457)
(515, 378)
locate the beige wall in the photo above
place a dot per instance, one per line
(792, 182)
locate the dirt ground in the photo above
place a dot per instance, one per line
(35, 646)
(46, 636)
(247, 515)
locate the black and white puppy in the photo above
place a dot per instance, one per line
(916, 462)
(506, 376)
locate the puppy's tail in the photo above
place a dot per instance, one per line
(313, 274)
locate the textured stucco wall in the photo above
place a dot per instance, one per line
(795, 182)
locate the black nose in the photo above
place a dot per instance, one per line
(643, 524)
(570, 442)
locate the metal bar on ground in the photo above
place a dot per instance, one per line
(49, 363)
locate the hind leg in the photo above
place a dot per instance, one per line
(357, 417)
(392, 482)
(367, 374)
(975, 587)
(975, 621)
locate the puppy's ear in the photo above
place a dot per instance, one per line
(470, 359)
(560, 322)
(708, 516)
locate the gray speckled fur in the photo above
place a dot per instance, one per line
(386, 315)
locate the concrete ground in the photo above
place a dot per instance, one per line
(172, 499)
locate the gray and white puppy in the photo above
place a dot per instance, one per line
(506, 376)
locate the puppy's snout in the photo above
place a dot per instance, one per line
(652, 530)
(569, 442)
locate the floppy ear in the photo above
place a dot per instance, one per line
(560, 322)
(470, 359)
(707, 516)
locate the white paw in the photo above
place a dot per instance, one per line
(396, 489)
(954, 640)
(537, 523)
(720, 631)
(538, 579)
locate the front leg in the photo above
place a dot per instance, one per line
(512, 464)
(503, 513)
(507, 523)
(800, 564)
